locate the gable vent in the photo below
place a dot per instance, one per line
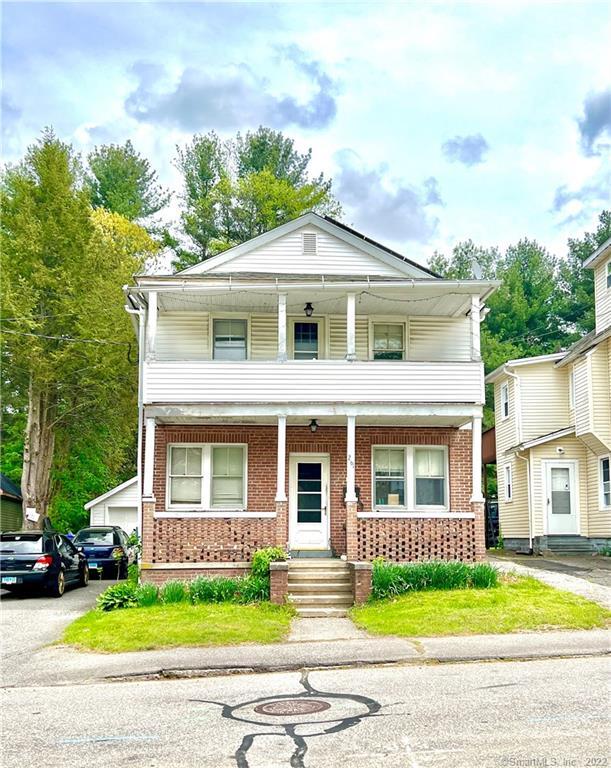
(310, 243)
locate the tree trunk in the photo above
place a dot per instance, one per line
(38, 451)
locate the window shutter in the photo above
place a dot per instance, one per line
(310, 244)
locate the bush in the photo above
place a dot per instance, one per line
(174, 592)
(390, 579)
(219, 589)
(253, 589)
(133, 572)
(263, 557)
(120, 595)
(147, 595)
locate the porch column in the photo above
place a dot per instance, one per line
(351, 500)
(149, 460)
(282, 516)
(282, 355)
(475, 329)
(151, 326)
(351, 326)
(476, 460)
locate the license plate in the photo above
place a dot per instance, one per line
(9, 579)
(93, 565)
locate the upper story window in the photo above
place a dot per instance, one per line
(388, 341)
(504, 400)
(609, 274)
(572, 388)
(508, 483)
(305, 340)
(229, 339)
(605, 481)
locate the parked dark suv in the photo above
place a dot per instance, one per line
(106, 549)
(40, 560)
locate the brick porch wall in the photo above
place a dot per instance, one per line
(232, 539)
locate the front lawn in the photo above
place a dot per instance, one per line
(181, 625)
(516, 604)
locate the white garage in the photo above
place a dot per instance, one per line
(116, 507)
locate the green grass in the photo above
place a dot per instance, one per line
(172, 626)
(516, 604)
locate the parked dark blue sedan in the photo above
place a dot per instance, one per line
(106, 549)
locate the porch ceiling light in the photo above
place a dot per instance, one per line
(313, 425)
(308, 309)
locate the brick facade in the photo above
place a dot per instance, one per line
(191, 539)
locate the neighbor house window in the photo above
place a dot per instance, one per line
(572, 388)
(508, 483)
(305, 341)
(609, 275)
(389, 473)
(504, 400)
(430, 477)
(229, 339)
(185, 475)
(388, 341)
(227, 476)
(605, 481)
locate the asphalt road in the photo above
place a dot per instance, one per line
(31, 621)
(537, 713)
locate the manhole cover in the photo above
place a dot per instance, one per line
(292, 707)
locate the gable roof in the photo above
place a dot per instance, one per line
(110, 493)
(387, 256)
(583, 345)
(602, 251)
(502, 369)
(8, 488)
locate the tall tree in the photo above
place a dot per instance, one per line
(467, 261)
(65, 335)
(237, 189)
(122, 181)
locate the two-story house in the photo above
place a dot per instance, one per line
(553, 437)
(310, 389)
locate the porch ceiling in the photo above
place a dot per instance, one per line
(322, 421)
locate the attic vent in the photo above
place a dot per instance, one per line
(309, 243)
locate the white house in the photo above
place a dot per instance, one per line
(118, 506)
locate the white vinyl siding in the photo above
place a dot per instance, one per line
(125, 499)
(439, 338)
(263, 337)
(544, 399)
(337, 337)
(285, 255)
(182, 336)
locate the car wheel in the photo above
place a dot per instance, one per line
(84, 580)
(58, 585)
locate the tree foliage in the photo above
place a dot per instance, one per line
(240, 188)
(122, 181)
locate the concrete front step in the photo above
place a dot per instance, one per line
(330, 598)
(322, 613)
(317, 576)
(321, 587)
(314, 562)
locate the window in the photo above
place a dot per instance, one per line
(185, 477)
(429, 473)
(609, 274)
(227, 476)
(605, 481)
(389, 473)
(504, 400)
(229, 339)
(388, 341)
(305, 341)
(508, 483)
(572, 388)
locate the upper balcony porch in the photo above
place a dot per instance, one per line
(302, 339)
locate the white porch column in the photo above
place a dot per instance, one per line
(475, 329)
(151, 325)
(351, 327)
(281, 482)
(476, 459)
(350, 459)
(282, 354)
(149, 459)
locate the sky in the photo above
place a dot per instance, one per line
(436, 121)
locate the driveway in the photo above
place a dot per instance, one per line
(29, 622)
(595, 569)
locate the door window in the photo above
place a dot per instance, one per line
(305, 341)
(561, 491)
(309, 492)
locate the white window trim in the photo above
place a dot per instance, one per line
(229, 316)
(608, 276)
(410, 481)
(600, 480)
(507, 472)
(388, 320)
(504, 388)
(323, 353)
(206, 494)
(572, 389)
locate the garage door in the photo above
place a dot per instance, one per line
(124, 517)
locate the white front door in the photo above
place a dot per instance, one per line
(309, 501)
(560, 498)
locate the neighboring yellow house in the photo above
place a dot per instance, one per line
(553, 438)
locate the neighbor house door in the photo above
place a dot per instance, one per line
(561, 498)
(309, 501)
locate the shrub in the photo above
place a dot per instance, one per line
(253, 589)
(147, 595)
(120, 595)
(263, 557)
(219, 589)
(390, 579)
(174, 592)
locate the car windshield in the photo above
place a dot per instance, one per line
(21, 543)
(103, 536)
